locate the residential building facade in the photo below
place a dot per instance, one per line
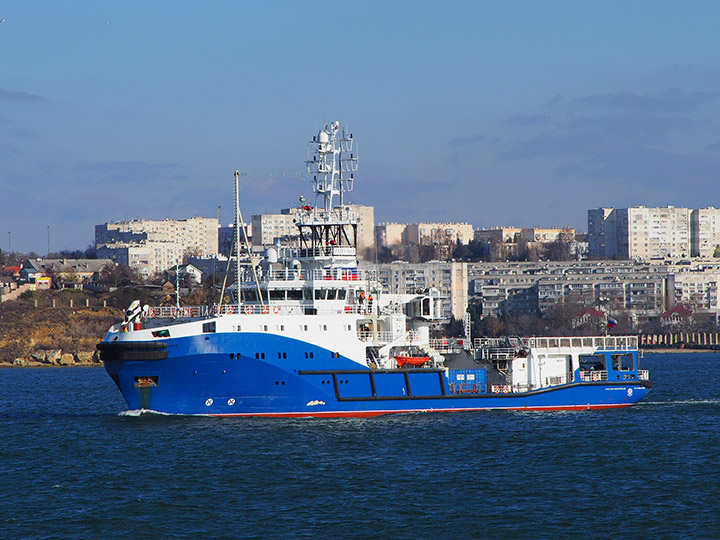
(153, 246)
(652, 233)
(449, 278)
(705, 232)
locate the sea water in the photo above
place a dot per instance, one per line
(72, 465)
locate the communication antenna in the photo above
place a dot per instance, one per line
(332, 163)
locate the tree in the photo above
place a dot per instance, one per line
(384, 255)
(118, 275)
(191, 251)
(455, 328)
(716, 253)
(559, 250)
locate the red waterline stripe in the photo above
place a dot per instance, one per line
(369, 414)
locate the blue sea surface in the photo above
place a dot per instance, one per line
(72, 465)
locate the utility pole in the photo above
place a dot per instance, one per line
(48, 251)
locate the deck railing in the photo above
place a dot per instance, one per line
(200, 312)
(601, 343)
(589, 376)
(339, 274)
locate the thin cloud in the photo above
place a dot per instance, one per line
(7, 149)
(119, 173)
(465, 140)
(670, 100)
(17, 96)
(523, 120)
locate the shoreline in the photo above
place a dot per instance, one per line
(7, 365)
(663, 351)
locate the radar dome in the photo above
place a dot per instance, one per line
(323, 137)
(271, 255)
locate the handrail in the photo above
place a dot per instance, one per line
(589, 376)
(202, 312)
(338, 273)
(602, 343)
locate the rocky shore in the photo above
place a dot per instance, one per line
(55, 357)
(47, 336)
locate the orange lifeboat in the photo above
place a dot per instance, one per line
(412, 361)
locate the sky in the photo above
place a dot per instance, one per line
(513, 113)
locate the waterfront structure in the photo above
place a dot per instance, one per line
(150, 246)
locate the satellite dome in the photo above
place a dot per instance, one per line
(323, 137)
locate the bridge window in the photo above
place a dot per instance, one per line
(592, 362)
(623, 362)
(294, 294)
(250, 295)
(331, 294)
(208, 327)
(277, 294)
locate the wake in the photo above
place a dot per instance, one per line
(683, 402)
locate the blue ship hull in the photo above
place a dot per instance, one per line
(266, 375)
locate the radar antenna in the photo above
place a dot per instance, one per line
(332, 164)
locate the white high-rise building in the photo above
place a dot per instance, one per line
(151, 246)
(639, 232)
(705, 229)
(267, 228)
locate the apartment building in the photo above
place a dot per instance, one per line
(226, 237)
(649, 233)
(699, 290)
(449, 278)
(423, 234)
(269, 228)
(427, 234)
(153, 246)
(390, 234)
(705, 232)
(523, 288)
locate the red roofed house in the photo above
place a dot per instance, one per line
(676, 316)
(589, 316)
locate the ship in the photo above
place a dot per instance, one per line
(306, 332)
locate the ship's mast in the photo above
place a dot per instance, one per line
(328, 235)
(332, 163)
